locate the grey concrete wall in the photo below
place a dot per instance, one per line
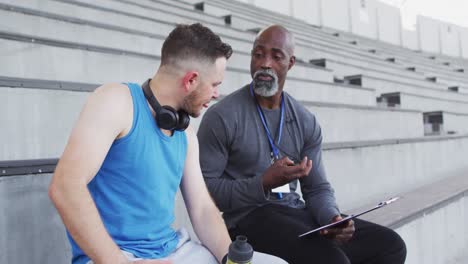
(438, 237)
(36, 123)
(347, 123)
(364, 18)
(99, 67)
(389, 169)
(93, 67)
(389, 23)
(138, 18)
(282, 7)
(464, 42)
(32, 231)
(428, 34)
(429, 104)
(33, 223)
(120, 6)
(335, 14)
(347, 66)
(450, 39)
(307, 10)
(377, 20)
(410, 39)
(353, 124)
(388, 86)
(84, 34)
(455, 122)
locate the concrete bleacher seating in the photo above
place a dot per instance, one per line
(299, 49)
(56, 106)
(427, 103)
(249, 17)
(43, 221)
(443, 202)
(388, 85)
(341, 68)
(443, 122)
(98, 65)
(111, 36)
(453, 79)
(388, 167)
(455, 122)
(32, 230)
(55, 52)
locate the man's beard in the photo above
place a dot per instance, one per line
(188, 105)
(265, 88)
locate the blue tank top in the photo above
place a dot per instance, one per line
(135, 188)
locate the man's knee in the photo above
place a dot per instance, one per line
(396, 245)
(392, 248)
(317, 251)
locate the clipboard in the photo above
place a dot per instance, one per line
(349, 217)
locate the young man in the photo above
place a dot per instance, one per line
(262, 139)
(116, 182)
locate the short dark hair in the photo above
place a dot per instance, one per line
(193, 42)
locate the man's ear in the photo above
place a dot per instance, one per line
(292, 61)
(190, 81)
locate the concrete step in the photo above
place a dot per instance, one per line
(54, 106)
(429, 218)
(25, 197)
(442, 123)
(95, 64)
(86, 32)
(355, 123)
(297, 24)
(29, 220)
(245, 21)
(121, 18)
(80, 5)
(343, 68)
(308, 48)
(455, 122)
(423, 103)
(432, 69)
(387, 85)
(37, 123)
(415, 57)
(124, 8)
(344, 123)
(173, 12)
(388, 167)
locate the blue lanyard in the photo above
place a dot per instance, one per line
(274, 149)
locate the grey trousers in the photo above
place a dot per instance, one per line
(188, 251)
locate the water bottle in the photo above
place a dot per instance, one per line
(240, 252)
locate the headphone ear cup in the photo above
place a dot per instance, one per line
(184, 120)
(167, 118)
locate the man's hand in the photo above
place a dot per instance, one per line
(284, 171)
(341, 233)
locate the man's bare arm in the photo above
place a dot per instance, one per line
(106, 116)
(205, 216)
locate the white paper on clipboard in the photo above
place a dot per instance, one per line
(282, 189)
(380, 205)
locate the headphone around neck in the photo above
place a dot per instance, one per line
(166, 116)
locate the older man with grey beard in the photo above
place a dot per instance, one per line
(255, 145)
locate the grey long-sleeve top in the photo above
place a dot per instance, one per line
(234, 154)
